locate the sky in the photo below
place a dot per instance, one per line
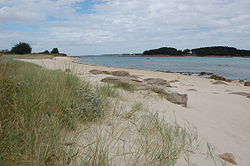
(91, 27)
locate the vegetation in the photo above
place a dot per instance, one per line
(54, 51)
(25, 49)
(135, 108)
(220, 51)
(138, 138)
(21, 48)
(36, 106)
(41, 110)
(162, 143)
(204, 51)
(163, 51)
(4, 51)
(32, 56)
(44, 52)
(125, 86)
(107, 91)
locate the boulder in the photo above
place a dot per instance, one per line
(129, 80)
(216, 77)
(106, 72)
(173, 81)
(247, 83)
(229, 157)
(120, 73)
(219, 83)
(192, 90)
(124, 83)
(241, 94)
(155, 85)
(205, 74)
(136, 79)
(96, 72)
(67, 70)
(110, 80)
(171, 96)
(157, 81)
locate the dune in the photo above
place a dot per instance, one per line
(222, 119)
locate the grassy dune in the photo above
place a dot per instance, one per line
(36, 105)
(41, 110)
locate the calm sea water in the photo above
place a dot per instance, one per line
(231, 68)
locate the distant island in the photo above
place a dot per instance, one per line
(203, 51)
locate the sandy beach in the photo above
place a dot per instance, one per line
(219, 112)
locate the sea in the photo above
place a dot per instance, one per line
(234, 68)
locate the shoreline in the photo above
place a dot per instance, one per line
(120, 55)
(192, 74)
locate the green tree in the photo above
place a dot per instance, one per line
(187, 51)
(21, 48)
(162, 51)
(55, 51)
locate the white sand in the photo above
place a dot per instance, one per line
(221, 118)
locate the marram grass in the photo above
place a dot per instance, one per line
(36, 105)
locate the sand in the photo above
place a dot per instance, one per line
(221, 117)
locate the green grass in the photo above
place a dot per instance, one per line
(125, 86)
(36, 106)
(135, 108)
(162, 143)
(107, 91)
(97, 155)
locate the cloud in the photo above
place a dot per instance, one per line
(117, 26)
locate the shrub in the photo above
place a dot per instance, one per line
(5, 51)
(55, 51)
(21, 48)
(46, 52)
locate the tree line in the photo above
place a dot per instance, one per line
(25, 48)
(203, 51)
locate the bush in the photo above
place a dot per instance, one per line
(5, 51)
(54, 51)
(46, 52)
(21, 48)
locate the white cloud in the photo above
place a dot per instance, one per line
(129, 25)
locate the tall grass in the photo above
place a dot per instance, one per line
(162, 143)
(135, 108)
(125, 86)
(97, 155)
(36, 106)
(107, 91)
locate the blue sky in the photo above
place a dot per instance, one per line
(86, 7)
(83, 27)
